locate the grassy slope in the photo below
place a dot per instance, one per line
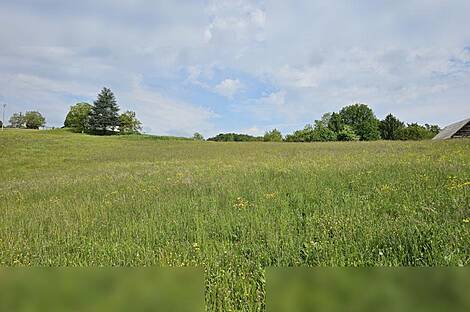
(76, 200)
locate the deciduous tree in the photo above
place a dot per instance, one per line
(335, 123)
(198, 137)
(362, 120)
(77, 117)
(273, 136)
(34, 120)
(390, 127)
(17, 120)
(128, 123)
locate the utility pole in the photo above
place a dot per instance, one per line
(3, 116)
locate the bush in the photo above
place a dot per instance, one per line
(273, 136)
(304, 135)
(234, 137)
(319, 133)
(415, 132)
(323, 134)
(347, 134)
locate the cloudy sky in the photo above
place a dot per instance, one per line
(241, 65)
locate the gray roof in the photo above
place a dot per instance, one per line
(450, 130)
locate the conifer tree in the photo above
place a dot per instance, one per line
(104, 113)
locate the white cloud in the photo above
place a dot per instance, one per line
(229, 87)
(164, 115)
(254, 131)
(236, 22)
(298, 78)
(392, 56)
(273, 108)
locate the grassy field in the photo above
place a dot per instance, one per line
(233, 208)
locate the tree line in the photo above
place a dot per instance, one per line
(355, 122)
(28, 120)
(101, 118)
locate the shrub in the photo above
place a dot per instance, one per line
(273, 136)
(415, 131)
(347, 134)
(234, 137)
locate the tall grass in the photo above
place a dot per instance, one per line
(233, 208)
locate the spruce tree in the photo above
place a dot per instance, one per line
(104, 113)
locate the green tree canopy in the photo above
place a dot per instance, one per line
(390, 127)
(325, 120)
(415, 131)
(273, 136)
(17, 120)
(198, 137)
(335, 123)
(347, 134)
(34, 120)
(77, 117)
(104, 113)
(128, 123)
(321, 132)
(434, 129)
(234, 137)
(362, 120)
(303, 135)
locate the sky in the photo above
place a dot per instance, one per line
(237, 66)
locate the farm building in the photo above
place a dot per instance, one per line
(459, 129)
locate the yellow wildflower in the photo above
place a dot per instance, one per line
(241, 203)
(270, 195)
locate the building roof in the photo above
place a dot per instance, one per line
(450, 130)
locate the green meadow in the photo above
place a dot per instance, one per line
(233, 209)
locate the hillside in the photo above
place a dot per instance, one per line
(76, 200)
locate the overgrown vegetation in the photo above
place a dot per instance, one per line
(273, 136)
(358, 122)
(69, 199)
(235, 137)
(352, 123)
